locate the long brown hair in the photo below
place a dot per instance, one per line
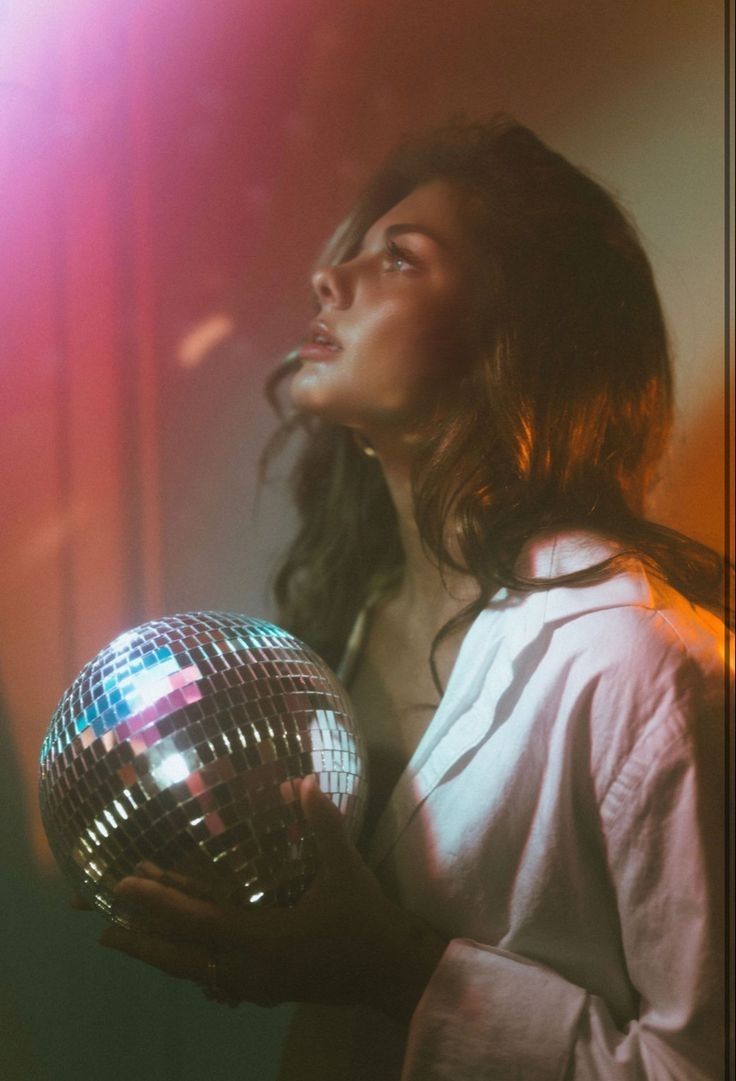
(559, 422)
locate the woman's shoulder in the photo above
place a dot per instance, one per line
(626, 616)
(635, 663)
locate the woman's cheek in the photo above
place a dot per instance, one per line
(386, 372)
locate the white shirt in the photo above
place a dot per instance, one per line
(561, 823)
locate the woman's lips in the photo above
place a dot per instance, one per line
(320, 343)
(318, 351)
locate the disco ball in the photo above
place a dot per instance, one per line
(180, 743)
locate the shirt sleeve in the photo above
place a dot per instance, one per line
(489, 1014)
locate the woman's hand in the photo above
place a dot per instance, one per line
(343, 942)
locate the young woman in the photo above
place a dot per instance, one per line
(485, 391)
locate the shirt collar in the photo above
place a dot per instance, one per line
(551, 555)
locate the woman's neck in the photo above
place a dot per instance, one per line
(424, 590)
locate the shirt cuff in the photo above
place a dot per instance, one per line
(488, 1015)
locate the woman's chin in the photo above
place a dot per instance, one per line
(309, 394)
(314, 392)
(306, 390)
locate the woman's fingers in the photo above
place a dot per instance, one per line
(327, 825)
(152, 872)
(168, 911)
(184, 960)
(185, 883)
(172, 912)
(237, 977)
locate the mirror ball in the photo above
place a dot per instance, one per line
(180, 743)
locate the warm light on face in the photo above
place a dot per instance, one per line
(397, 312)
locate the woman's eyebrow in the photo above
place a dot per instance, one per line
(410, 227)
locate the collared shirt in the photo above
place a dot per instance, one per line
(560, 822)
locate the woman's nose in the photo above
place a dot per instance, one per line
(329, 287)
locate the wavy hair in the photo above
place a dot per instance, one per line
(558, 421)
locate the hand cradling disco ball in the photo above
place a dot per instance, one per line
(180, 742)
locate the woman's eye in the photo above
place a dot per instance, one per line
(398, 258)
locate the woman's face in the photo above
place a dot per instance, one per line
(398, 313)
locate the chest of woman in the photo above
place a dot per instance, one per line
(392, 722)
(395, 699)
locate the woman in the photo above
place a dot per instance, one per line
(485, 392)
